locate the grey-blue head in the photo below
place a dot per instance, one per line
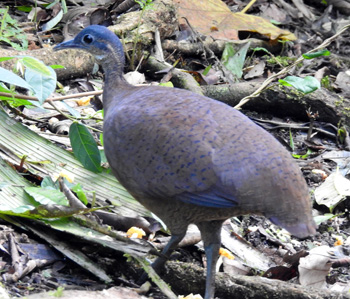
(102, 43)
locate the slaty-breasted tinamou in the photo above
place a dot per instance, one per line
(192, 159)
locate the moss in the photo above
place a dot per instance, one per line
(292, 93)
(326, 83)
(281, 60)
(346, 113)
(339, 102)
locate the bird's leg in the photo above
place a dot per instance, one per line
(168, 249)
(210, 232)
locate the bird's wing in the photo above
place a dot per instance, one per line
(179, 150)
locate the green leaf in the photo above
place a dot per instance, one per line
(206, 70)
(4, 184)
(103, 156)
(52, 4)
(11, 78)
(8, 208)
(275, 22)
(35, 65)
(14, 102)
(53, 22)
(78, 189)
(11, 99)
(39, 78)
(43, 86)
(9, 29)
(234, 62)
(167, 84)
(3, 88)
(304, 85)
(261, 49)
(56, 66)
(6, 58)
(21, 209)
(322, 218)
(291, 141)
(48, 183)
(308, 153)
(84, 147)
(58, 293)
(47, 196)
(317, 54)
(64, 6)
(24, 8)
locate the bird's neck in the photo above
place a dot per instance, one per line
(114, 86)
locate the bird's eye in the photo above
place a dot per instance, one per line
(88, 39)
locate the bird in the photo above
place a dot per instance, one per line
(191, 159)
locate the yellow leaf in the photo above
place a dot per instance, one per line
(339, 241)
(64, 174)
(84, 101)
(135, 233)
(226, 253)
(204, 16)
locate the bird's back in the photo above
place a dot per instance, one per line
(190, 158)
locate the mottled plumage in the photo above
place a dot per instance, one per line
(191, 159)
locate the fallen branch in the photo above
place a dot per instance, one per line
(238, 286)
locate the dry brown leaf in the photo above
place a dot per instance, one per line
(214, 18)
(314, 268)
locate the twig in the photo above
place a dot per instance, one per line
(70, 117)
(288, 68)
(61, 98)
(249, 5)
(155, 277)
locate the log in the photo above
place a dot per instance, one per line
(188, 278)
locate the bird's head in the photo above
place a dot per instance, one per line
(98, 41)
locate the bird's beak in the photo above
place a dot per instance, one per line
(67, 45)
